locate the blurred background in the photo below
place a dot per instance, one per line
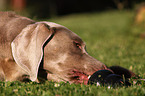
(52, 8)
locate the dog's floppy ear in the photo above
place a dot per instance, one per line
(27, 47)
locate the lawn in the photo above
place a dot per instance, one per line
(112, 38)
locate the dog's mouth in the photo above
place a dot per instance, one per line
(81, 77)
(78, 77)
(73, 76)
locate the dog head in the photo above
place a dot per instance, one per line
(61, 52)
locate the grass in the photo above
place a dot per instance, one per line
(112, 38)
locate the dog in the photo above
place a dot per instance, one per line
(30, 49)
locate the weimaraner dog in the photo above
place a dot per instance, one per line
(30, 49)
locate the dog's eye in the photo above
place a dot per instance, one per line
(78, 45)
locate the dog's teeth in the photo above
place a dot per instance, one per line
(89, 76)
